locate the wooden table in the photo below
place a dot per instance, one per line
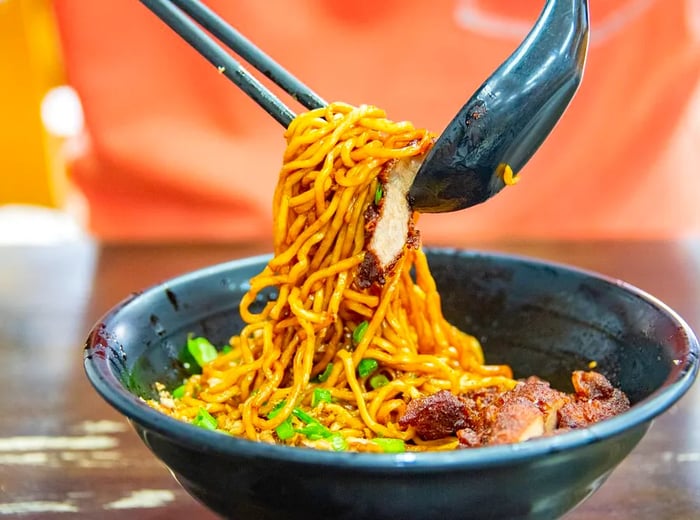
(64, 453)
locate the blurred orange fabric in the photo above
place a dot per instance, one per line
(175, 151)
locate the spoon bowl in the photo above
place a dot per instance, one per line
(510, 115)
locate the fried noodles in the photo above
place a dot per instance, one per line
(330, 317)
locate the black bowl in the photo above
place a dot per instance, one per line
(539, 317)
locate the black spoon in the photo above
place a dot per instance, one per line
(511, 114)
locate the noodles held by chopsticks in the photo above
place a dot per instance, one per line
(355, 331)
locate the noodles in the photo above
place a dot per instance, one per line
(355, 330)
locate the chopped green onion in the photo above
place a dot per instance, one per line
(323, 376)
(314, 431)
(226, 349)
(303, 416)
(276, 409)
(285, 430)
(201, 349)
(378, 381)
(379, 193)
(359, 332)
(205, 420)
(320, 395)
(367, 366)
(338, 442)
(390, 445)
(179, 392)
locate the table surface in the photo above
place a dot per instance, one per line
(64, 453)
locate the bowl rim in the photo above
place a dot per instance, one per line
(110, 388)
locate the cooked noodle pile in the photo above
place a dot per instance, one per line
(332, 361)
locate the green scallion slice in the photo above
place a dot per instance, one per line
(303, 416)
(285, 430)
(320, 395)
(338, 442)
(390, 445)
(378, 381)
(314, 431)
(366, 366)
(359, 332)
(276, 409)
(378, 194)
(179, 392)
(201, 350)
(323, 376)
(205, 420)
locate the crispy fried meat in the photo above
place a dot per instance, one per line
(388, 223)
(595, 399)
(531, 409)
(436, 416)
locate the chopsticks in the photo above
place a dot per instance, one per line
(181, 15)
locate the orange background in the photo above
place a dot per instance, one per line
(32, 169)
(175, 151)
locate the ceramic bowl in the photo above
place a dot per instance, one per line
(541, 318)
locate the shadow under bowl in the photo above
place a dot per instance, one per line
(541, 318)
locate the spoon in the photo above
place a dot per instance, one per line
(509, 116)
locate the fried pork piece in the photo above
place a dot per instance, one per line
(548, 400)
(592, 385)
(527, 411)
(436, 416)
(482, 407)
(468, 438)
(531, 409)
(595, 399)
(517, 420)
(388, 223)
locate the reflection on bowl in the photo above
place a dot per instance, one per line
(541, 318)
